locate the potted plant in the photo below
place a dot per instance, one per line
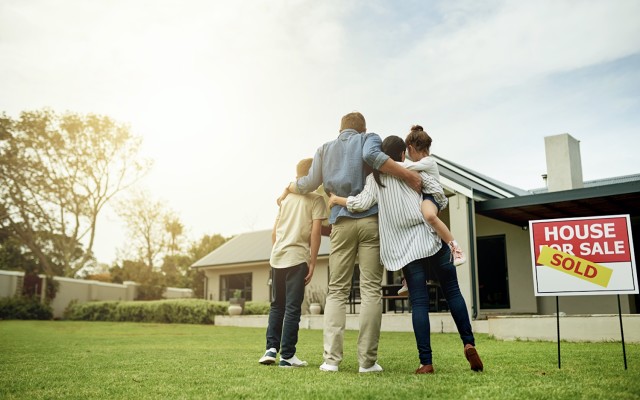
(236, 303)
(316, 298)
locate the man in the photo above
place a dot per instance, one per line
(341, 166)
(408, 242)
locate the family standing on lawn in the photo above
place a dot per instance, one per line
(388, 217)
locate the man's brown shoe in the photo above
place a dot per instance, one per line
(472, 356)
(425, 369)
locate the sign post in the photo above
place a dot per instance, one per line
(583, 256)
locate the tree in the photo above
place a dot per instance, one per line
(174, 228)
(199, 249)
(57, 171)
(151, 282)
(145, 221)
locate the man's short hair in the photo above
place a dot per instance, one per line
(302, 169)
(354, 121)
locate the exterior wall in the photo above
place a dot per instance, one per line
(458, 222)
(521, 294)
(602, 328)
(9, 283)
(572, 305)
(82, 291)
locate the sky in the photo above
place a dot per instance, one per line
(229, 95)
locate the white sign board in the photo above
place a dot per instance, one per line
(583, 256)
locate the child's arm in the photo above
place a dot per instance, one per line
(316, 230)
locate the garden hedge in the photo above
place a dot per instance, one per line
(178, 311)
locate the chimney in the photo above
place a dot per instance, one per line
(564, 167)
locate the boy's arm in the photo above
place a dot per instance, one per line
(314, 245)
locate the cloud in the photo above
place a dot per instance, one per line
(229, 95)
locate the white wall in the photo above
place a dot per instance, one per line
(82, 291)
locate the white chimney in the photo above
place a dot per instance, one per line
(564, 167)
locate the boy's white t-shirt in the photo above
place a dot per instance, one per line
(293, 229)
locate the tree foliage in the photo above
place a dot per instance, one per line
(145, 220)
(57, 172)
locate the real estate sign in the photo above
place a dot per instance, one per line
(583, 256)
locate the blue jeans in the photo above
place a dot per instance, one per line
(416, 275)
(287, 293)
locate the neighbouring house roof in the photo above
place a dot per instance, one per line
(250, 247)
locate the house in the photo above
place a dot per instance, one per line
(490, 221)
(243, 263)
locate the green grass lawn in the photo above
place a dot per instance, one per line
(100, 360)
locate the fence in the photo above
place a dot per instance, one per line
(81, 291)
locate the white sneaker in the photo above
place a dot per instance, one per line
(403, 291)
(457, 254)
(292, 362)
(328, 368)
(374, 368)
(269, 357)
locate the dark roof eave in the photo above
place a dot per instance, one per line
(554, 197)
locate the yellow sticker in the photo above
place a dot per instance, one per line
(575, 266)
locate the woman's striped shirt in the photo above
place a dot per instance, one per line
(405, 236)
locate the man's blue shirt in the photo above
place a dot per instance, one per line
(340, 166)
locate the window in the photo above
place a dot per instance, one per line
(231, 283)
(493, 276)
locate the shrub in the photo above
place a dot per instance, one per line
(93, 311)
(256, 308)
(24, 308)
(182, 311)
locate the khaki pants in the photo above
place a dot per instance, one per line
(354, 240)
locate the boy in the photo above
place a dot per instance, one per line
(296, 241)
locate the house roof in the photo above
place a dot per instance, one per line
(246, 248)
(498, 200)
(482, 186)
(611, 196)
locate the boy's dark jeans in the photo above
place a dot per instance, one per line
(287, 293)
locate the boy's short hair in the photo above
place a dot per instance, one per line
(354, 121)
(302, 169)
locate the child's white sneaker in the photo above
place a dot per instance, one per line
(292, 362)
(457, 253)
